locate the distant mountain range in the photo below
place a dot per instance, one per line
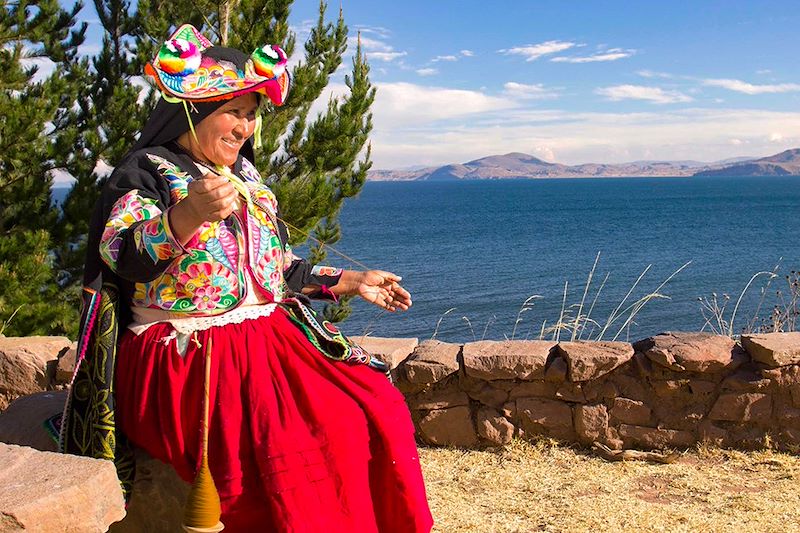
(518, 165)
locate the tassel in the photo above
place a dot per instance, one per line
(202, 512)
(257, 133)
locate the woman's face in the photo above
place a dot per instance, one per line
(221, 134)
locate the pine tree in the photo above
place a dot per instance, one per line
(31, 30)
(95, 134)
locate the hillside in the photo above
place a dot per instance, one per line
(783, 164)
(516, 165)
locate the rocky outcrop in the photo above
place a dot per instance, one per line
(158, 495)
(23, 422)
(28, 365)
(157, 500)
(56, 493)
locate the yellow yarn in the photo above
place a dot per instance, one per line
(202, 506)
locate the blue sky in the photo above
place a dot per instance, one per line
(575, 82)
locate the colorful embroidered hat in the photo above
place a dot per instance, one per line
(183, 70)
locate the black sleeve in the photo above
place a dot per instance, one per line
(300, 274)
(137, 241)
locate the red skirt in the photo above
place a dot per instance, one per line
(297, 442)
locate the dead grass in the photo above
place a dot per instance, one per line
(545, 487)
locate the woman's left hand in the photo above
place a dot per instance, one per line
(384, 290)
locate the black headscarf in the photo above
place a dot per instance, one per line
(168, 121)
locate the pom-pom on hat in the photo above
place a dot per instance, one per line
(184, 69)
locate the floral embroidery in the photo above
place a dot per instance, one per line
(219, 241)
(177, 179)
(320, 270)
(209, 278)
(206, 298)
(263, 197)
(249, 172)
(153, 236)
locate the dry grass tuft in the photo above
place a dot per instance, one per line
(542, 486)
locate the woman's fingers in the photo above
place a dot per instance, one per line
(212, 197)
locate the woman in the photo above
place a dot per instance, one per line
(192, 241)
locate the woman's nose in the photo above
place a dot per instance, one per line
(244, 127)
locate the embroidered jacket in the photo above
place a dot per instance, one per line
(206, 276)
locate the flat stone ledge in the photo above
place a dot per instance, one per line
(392, 351)
(773, 349)
(493, 360)
(51, 492)
(432, 361)
(690, 351)
(589, 360)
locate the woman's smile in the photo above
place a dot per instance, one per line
(220, 136)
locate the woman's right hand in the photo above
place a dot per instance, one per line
(209, 199)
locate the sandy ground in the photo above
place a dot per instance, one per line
(543, 486)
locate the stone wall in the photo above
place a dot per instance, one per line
(671, 390)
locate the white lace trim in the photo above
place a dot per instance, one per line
(185, 326)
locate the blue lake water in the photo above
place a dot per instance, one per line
(481, 248)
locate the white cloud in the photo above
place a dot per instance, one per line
(467, 53)
(749, 88)
(654, 74)
(427, 71)
(444, 58)
(401, 104)
(572, 138)
(90, 49)
(303, 29)
(640, 92)
(374, 30)
(524, 91)
(370, 45)
(385, 56)
(44, 67)
(532, 52)
(375, 48)
(775, 137)
(145, 87)
(612, 54)
(61, 178)
(404, 103)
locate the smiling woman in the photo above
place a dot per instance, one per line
(222, 369)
